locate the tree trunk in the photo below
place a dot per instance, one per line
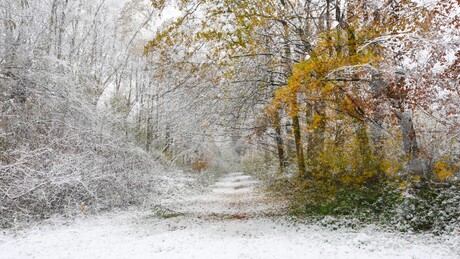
(363, 145)
(169, 140)
(279, 143)
(404, 115)
(298, 147)
(295, 119)
(408, 131)
(377, 86)
(320, 129)
(61, 29)
(52, 25)
(417, 164)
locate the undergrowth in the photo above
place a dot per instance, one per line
(431, 206)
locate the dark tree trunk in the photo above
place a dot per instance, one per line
(299, 147)
(279, 143)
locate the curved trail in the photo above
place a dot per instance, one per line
(232, 219)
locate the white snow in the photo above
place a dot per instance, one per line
(103, 103)
(215, 224)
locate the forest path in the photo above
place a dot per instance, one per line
(233, 196)
(234, 218)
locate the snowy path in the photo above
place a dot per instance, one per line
(235, 195)
(232, 220)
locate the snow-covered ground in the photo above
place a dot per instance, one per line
(233, 219)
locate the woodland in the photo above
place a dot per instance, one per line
(348, 110)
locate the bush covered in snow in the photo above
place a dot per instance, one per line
(57, 154)
(432, 206)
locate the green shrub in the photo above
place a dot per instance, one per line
(418, 207)
(374, 203)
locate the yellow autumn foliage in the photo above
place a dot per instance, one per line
(444, 169)
(317, 76)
